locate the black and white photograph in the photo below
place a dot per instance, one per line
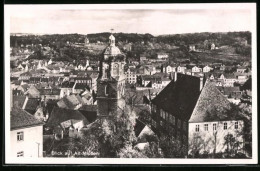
(131, 84)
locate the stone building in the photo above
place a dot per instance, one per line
(111, 81)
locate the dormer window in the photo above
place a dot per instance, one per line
(106, 90)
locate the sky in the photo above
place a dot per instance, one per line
(153, 21)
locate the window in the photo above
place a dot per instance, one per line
(236, 125)
(206, 127)
(20, 136)
(106, 90)
(214, 127)
(225, 126)
(197, 128)
(20, 154)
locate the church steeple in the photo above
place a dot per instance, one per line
(111, 80)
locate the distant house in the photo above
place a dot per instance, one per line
(181, 68)
(196, 69)
(233, 94)
(26, 136)
(206, 69)
(131, 75)
(241, 69)
(169, 68)
(162, 56)
(47, 94)
(192, 48)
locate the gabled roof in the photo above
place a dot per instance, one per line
(22, 119)
(210, 100)
(180, 97)
(59, 115)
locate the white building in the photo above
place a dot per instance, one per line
(196, 69)
(131, 76)
(26, 135)
(210, 125)
(206, 69)
(162, 55)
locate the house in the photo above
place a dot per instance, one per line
(192, 48)
(241, 69)
(212, 46)
(79, 88)
(196, 69)
(66, 88)
(233, 94)
(206, 69)
(68, 120)
(211, 123)
(169, 68)
(162, 56)
(53, 94)
(26, 135)
(181, 110)
(172, 107)
(70, 102)
(131, 76)
(181, 68)
(33, 92)
(229, 80)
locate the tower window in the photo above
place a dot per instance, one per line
(106, 90)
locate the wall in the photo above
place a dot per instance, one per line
(208, 139)
(32, 136)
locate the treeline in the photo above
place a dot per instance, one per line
(220, 39)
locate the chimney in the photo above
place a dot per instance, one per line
(201, 83)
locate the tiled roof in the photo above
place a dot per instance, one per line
(180, 97)
(18, 101)
(67, 84)
(22, 119)
(49, 91)
(89, 111)
(32, 105)
(210, 100)
(59, 115)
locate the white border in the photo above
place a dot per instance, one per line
(8, 8)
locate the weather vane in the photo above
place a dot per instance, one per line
(112, 30)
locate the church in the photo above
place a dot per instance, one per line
(111, 81)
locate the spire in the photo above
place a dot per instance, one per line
(112, 39)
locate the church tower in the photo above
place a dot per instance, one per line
(111, 81)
